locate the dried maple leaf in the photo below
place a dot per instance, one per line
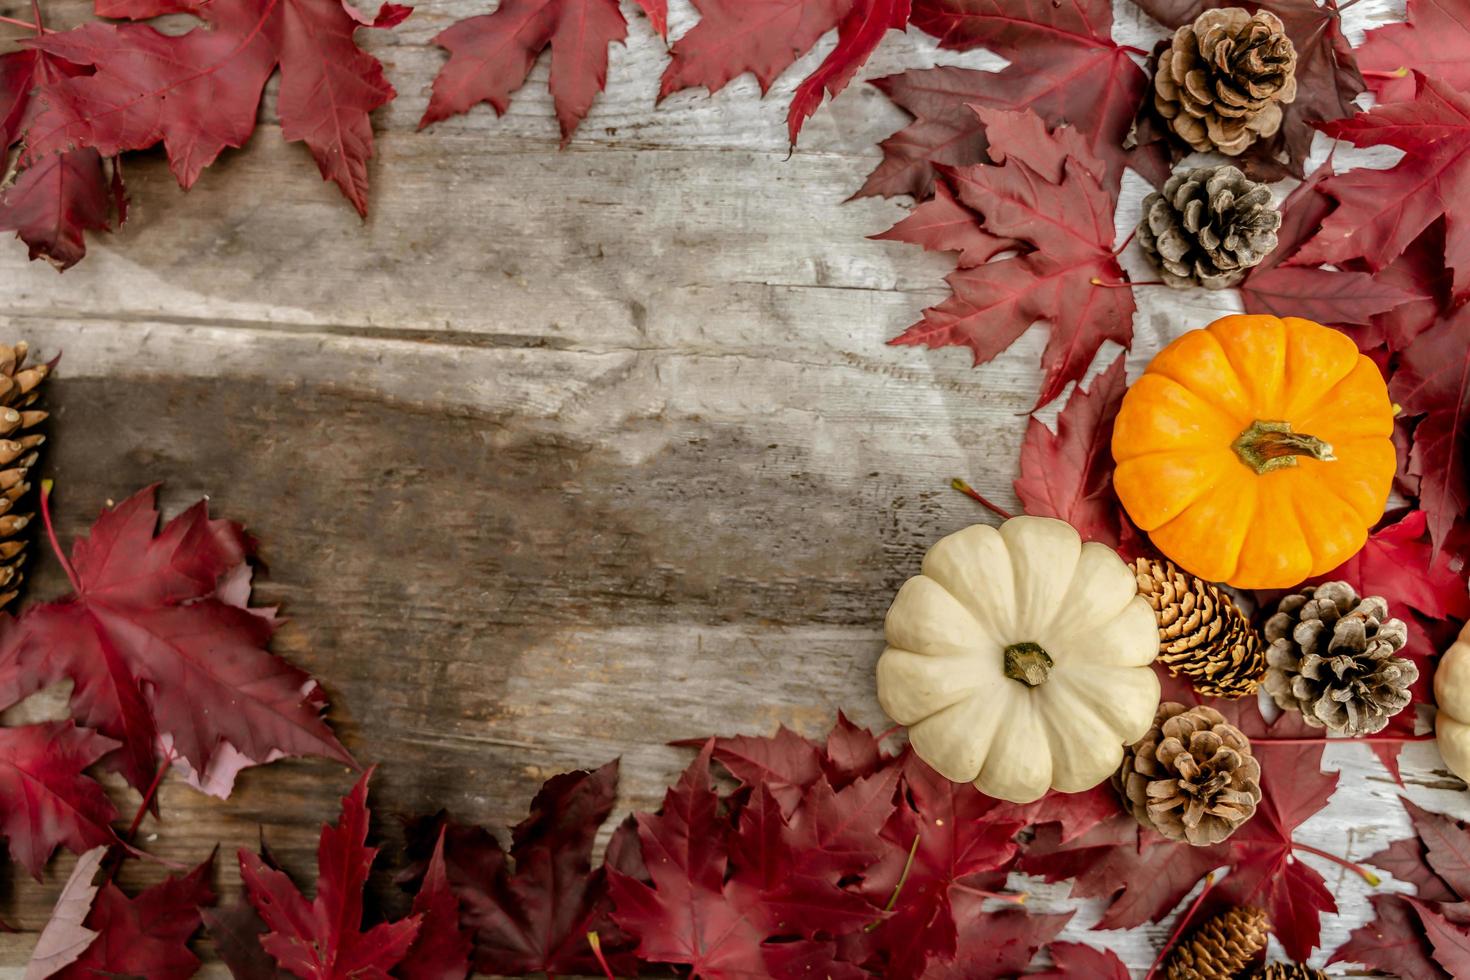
(1339, 297)
(1327, 75)
(491, 55)
(45, 801)
(65, 937)
(531, 910)
(1432, 39)
(157, 652)
(199, 92)
(764, 37)
(1063, 65)
(55, 200)
(1045, 192)
(1433, 380)
(1381, 212)
(718, 894)
(1069, 474)
(1079, 960)
(323, 939)
(146, 935)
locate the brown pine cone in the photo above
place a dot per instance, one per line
(1290, 971)
(1220, 949)
(20, 391)
(1202, 633)
(1223, 79)
(1332, 657)
(1208, 227)
(1192, 777)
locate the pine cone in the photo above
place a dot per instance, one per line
(1208, 226)
(1220, 949)
(1192, 777)
(1202, 633)
(1221, 82)
(19, 442)
(1290, 971)
(1332, 658)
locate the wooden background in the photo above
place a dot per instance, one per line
(559, 456)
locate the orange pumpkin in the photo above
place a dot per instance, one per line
(1256, 451)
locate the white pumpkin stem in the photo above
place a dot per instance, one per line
(1028, 663)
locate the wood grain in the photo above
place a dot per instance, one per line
(559, 456)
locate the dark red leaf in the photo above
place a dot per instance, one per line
(1399, 563)
(1405, 860)
(943, 224)
(1451, 942)
(1063, 65)
(441, 950)
(237, 932)
(45, 801)
(1433, 40)
(1074, 960)
(54, 201)
(199, 92)
(323, 939)
(1393, 941)
(1446, 843)
(992, 945)
(858, 36)
(1069, 474)
(787, 763)
(1381, 212)
(157, 651)
(147, 935)
(1433, 380)
(1048, 197)
(531, 910)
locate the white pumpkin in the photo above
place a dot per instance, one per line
(1019, 659)
(1452, 694)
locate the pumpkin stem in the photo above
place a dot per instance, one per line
(1028, 663)
(1268, 446)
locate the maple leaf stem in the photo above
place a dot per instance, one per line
(1180, 926)
(1104, 284)
(1126, 242)
(1131, 49)
(908, 865)
(148, 797)
(51, 534)
(1396, 73)
(1356, 869)
(1323, 740)
(36, 11)
(596, 944)
(26, 24)
(974, 495)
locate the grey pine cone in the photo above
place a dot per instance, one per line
(1332, 657)
(1208, 226)
(1222, 80)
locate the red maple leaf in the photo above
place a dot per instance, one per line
(764, 37)
(491, 55)
(1448, 936)
(56, 199)
(1069, 474)
(719, 893)
(531, 910)
(1392, 941)
(162, 650)
(199, 92)
(1063, 65)
(1433, 380)
(1339, 297)
(1327, 77)
(147, 935)
(1045, 192)
(1381, 212)
(323, 939)
(1079, 960)
(45, 801)
(992, 945)
(1399, 563)
(1432, 39)
(441, 951)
